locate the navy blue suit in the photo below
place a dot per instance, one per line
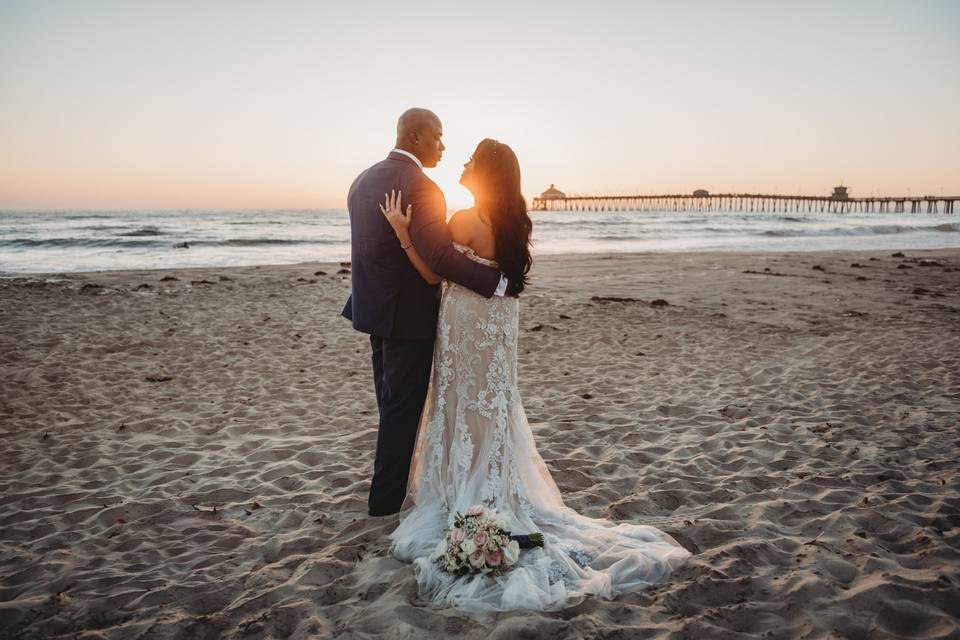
(391, 302)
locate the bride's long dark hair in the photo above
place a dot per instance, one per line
(496, 187)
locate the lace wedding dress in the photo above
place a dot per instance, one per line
(475, 446)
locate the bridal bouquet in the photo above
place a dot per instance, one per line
(479, 543)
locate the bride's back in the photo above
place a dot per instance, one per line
(469, 229)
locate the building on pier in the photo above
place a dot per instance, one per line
(701, 193)
(553, 194)
(840, 193)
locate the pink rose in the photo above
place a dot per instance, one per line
(475, 510)
(476, 559)
(457, 535)
(480, 538)
(494, 558)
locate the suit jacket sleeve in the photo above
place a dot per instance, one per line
(428, 230)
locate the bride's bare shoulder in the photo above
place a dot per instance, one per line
(464, 216)
(461, 225)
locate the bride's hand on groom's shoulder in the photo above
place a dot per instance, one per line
(395, 215)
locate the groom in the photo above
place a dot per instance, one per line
(391, 302)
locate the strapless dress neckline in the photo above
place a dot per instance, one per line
(470, 253)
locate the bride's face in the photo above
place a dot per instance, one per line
(466, 178)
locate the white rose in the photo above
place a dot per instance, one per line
(468, 546)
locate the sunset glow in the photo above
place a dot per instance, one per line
(245, 105)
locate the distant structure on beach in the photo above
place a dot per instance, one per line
(840, 193)
(701, 193)
(552, 194)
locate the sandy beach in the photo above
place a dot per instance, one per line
(186, 453)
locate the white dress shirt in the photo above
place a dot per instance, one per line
(502, 287)
(409, 155)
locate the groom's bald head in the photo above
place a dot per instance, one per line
(415, 119)
(419, 132)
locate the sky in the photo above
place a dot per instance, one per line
(187, 104)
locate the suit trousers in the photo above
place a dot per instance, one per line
(401, 375)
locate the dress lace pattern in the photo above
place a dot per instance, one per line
(475, 446)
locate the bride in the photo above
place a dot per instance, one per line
(474, 445)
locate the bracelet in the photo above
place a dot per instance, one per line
(406, 247)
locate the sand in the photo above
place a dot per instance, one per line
(186, 454)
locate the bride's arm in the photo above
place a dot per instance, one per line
(400, 221)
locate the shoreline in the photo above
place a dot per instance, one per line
(192, 455)
(551, 257)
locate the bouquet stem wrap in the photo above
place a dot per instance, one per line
(528, 540)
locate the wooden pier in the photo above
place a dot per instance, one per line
(748, 202)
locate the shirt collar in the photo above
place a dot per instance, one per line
(409, 155)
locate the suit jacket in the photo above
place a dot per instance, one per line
(388, 297)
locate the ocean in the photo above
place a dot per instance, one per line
(59, 241)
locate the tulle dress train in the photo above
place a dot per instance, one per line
(475, 447)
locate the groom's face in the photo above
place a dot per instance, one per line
(429, 144)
